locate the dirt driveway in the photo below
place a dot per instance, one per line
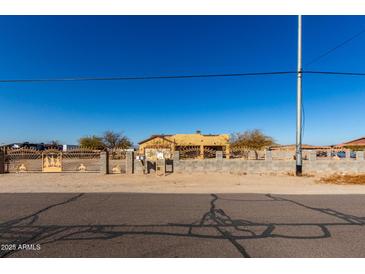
(174, 183)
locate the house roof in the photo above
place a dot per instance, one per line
(177, 137)
(162, 136)
(356, 142)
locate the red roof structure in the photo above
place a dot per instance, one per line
(356, 142)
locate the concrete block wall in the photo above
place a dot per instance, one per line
(2, 162)
(349, 166)
(234, 166)
(310, 166)
(219, 164)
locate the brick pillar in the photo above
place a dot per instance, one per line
(219, 155)
(2, 162)
(268, 155)
(129, 165)
(312, 155)
(360, 155)
(104, 162)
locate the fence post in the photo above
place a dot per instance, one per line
(176, 156)
(268, 155)
(348, 154)
(104, 162)
(129, 165)
(219, 155)
(175, 161)
(2, 161)
(161, 167)
(312, 155)
(360, 155)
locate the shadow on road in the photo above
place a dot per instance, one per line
(214, 224)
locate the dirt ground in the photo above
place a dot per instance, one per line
(173, 183)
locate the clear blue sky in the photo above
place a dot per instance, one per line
(97, 46)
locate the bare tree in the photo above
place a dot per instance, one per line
(116, 140)
(254, 140)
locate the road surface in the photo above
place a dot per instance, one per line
(181, 225)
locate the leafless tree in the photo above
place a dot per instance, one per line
(254, 140)
(116, 140)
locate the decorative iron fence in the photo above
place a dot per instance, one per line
(209, 152)
(194, 152)
(237, 152)
(189, 152)
(52, 160)
(117, 160)
(81, 160)
(23, 160)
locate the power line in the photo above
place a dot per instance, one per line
(145, 77)
(178, 76)
(314, 60)
(335, 73)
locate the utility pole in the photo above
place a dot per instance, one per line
(298, 147)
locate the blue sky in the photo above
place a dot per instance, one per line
(97, 46)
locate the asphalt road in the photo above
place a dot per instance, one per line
(181, 225)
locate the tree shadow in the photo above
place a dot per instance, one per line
(214, 224)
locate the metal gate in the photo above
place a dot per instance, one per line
(52, 160)
(117, 161)
(23, 160)
(81, 160)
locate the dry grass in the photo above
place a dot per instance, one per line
(292, 173)
(344, 179)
